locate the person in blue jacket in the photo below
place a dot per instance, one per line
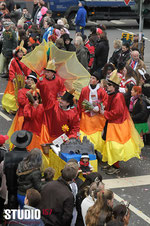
(80, 20)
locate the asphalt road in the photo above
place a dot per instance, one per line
(133, 183)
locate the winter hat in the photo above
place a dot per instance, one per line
(33, 76)
(3, 138)
(44, 10)
(97, 75)
(85, 156)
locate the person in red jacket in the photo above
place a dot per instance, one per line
(121, 140)
(16, 67)
(92, 122)
(33, 118)
(22, 101)
(62, 116)
(52, 83)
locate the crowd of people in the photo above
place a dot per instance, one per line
(112, 112)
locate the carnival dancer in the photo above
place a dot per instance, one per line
(52, 83)
(121, 140)
(92, 122)
(51, 80)
(22, 101)
(33, 117)
(61, 116)
(16, 68)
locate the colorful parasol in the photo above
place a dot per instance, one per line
(67, 65)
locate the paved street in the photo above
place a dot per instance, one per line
(133, 183)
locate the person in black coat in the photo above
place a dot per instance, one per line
(138, 110)
(117, 46)
(21, 139)
(67, 42)
(29, 174)
(127, 94)
(124, 55)
(101, 52)
(57, 197)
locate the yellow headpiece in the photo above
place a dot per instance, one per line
(51, 66)
(114, 78)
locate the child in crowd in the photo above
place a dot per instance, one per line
(49, 174)
(84, 165)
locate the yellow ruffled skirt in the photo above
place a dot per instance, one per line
(122, 142)
(8, 99)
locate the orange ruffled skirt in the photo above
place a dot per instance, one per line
(92, 128)
(122, 142)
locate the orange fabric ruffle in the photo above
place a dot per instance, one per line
(35, 143)
(10, 88)
(119, 133)
(90, 125)
(45, 137)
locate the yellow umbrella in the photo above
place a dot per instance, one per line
(67, 65)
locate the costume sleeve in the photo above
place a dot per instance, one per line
(74, 126)
(67, 211)
(36, 180)
(29, 111)
(26, 70)
(12, 70)
(22, 99)
(117, 108)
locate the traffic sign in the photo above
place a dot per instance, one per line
(126, 2)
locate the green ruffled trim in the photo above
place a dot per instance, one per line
(142, 127)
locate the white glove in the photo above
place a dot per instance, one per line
(96, 109)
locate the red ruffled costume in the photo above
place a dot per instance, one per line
(8, 100)
(92, 126)
(122, 140)
(33, 118)
(56, 118)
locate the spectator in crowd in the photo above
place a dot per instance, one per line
(3, 9)
(22, 19)
(136, 63)
(9, 44)
(82, 52)
(21, 139)
(3, 187)
(32, 201)
(121, 216)
(124, 54)
(61, 210)
(78, 181)
(48, 25)
(129, 77)
(93, 35)
(49, 174)
(138, 110)
(29, 174)
(127, 94)
(10, 5)
(35, 9)
(80, 19)
(91, 197)
(67, 42)
(92, 177)
(101, 51)
(117, 46)
(15, 15)
(101, 212)
(1, 35)
(60, 44)
(90, 45)
(108, 68)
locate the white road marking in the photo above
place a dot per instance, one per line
(129, 182)
(117, 22)
(1, 93)
(134, 210)
(5, 116)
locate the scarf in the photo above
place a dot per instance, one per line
(133, 101)
(83, 164)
